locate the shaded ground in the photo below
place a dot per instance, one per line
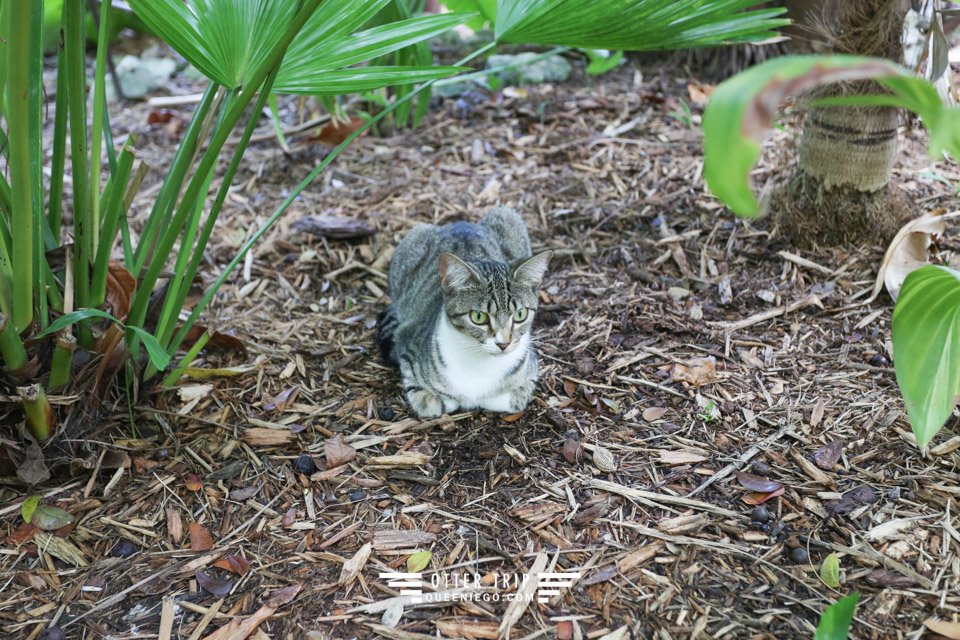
(637, 359)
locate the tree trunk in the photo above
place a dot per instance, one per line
(840, 191)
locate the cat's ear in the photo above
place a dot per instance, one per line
(456, 274)
(530, 271)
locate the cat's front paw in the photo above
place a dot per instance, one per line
(521, 396)
(425, 404)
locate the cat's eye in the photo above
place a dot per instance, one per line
(479, 317)
(520, 315)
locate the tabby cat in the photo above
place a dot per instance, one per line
(458, 327)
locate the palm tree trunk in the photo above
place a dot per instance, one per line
(840, 191)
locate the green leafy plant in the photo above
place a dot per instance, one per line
(926, 347)
(602, 61)
(926, 358)
(742, 109)
(56, 300)
(836, 619)
(57, 292)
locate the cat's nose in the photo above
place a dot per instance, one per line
(503, 345)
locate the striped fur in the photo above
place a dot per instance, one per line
(443, 281)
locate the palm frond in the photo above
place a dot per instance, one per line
(635, 25)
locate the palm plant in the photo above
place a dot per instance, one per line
(247, 48)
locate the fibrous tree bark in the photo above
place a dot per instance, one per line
(840, 190)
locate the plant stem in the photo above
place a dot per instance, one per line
(62, 357)
(24, 60)
(55, 208)
(37, 411)
(76, 84)
(336, 151)
(11, 346)
(96, 139)
(208, 162)
(174, 375)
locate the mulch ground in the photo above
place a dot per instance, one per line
(681, 348)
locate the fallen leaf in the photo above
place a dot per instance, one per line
(337, 451)
(283, 399)
(699, 93)
(212, 585)
(28, 507)
(573, 451)
(827, 456)
(909, 250)
(758, 497)
(890, 530)
(161, 116)
(857, 497)
(119, 290)
(565, 630)
(336, 131)
(191, 392)
(391, 617)
(943, 627)
(419, 561)
(513, 417)
(888, 578)
(49, 518)
(757, 483)
(218, 342)
(289, 517)
(23, 533)
(817, 414)
(192, 482)
(830, 571)
(234, 564)
(652, 414)
(200, 539)
(698, 371)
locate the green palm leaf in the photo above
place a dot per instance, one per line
(226, 40)
(357, 80)
(636, 25)
(306, 68)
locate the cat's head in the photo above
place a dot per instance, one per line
(492, 302)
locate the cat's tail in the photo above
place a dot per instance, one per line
(386, 326)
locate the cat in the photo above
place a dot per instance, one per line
(463, 298)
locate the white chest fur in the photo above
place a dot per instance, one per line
(472, 374)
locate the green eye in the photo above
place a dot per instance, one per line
(479, 317)
(520, 315)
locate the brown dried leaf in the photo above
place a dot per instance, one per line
(234, 564)
(218, 342)
(336, 131)
(757, 483)
(943, 627)
(817, 414)
(192, 482)
(757, 497)
(909, 250)
(289, 517)
(283, 399)
(699, 93)
(337, 451)
(827, 456)
(573, 451)
(200, 539)
(652, 414)
(215, 586)
(853, 499)
(888, 578)
(698, 371)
